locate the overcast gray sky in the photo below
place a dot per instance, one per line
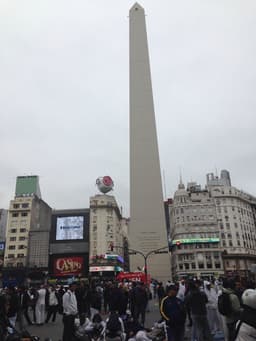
(64, 93)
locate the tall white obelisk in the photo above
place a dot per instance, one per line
(147, 231)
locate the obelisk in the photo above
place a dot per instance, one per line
(147, 230)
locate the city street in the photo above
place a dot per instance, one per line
(54, 330)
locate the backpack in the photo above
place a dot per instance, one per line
(224, 304)
(113, 324)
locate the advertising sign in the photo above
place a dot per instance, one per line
(66, 266)
(68, 228)
(133, 276)
(195, 240)
(2, 248)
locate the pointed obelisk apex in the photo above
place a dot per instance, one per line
(147, 230)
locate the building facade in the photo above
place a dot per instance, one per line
(195, 238)
(212, 229)
(106, 235)
(236, 216)
(3, 223)
(69, 244)
(27, 213)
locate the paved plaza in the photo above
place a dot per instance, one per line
(54, 330)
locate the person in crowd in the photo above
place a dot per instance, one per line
(70, 311)
(24, 304)
(246, 327)
(212, 308)
(33, 297)
(14, 306)
(196, 301)
(52, 304)
(173, 311)
(182, 290)
(160, 292)
(40, 305)
(123, 301)
(4, 321)
(106, 297)
(141, 301)
(233, 308)
(95, 301)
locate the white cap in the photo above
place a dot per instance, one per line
(249, 298)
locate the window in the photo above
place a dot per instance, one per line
(16, 205)
(227, 225)
(11, 255)
(13, 230)
(24, 205)
(193, 265)
(201, 265)
(24, 214)
(186, 266)
(15, 214)
(11, 247)
(12, 239)
(20, 255)
(22, 238)
(22, 230)
(230, 243)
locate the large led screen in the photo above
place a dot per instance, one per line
(69, 228)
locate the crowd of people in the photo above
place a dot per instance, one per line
(204, 310)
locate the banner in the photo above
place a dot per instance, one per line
(133, 277)
(67, 266)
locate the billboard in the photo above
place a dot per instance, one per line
(66, 266)
(68, 228)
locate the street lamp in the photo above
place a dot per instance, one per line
(145, 256)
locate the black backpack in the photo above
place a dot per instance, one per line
(113, 324)
(224, 304)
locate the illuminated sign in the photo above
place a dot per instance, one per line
(104, 268)
(195, 241)
(101, 268)
(68, 266)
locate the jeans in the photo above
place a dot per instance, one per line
(201, 328)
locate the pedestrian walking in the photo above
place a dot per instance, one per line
(40, 305)
(52, 304)
(196, 301)
(70, 311)
(173, 311)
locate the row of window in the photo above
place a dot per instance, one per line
(13, 239)
(19, 255)
(24, 205)
(188, 266)
(19, 247)
(22, 230)
(22, 214)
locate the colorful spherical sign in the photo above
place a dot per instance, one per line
(105, 184)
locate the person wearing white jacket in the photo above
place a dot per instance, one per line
(212, 309)
(40, 306)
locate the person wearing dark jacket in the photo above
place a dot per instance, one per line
(141, 301)
(196, 301)
(173, 311)
(14, 307)
(24, 303)
(4, 322)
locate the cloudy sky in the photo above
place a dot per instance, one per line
(64, 93)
